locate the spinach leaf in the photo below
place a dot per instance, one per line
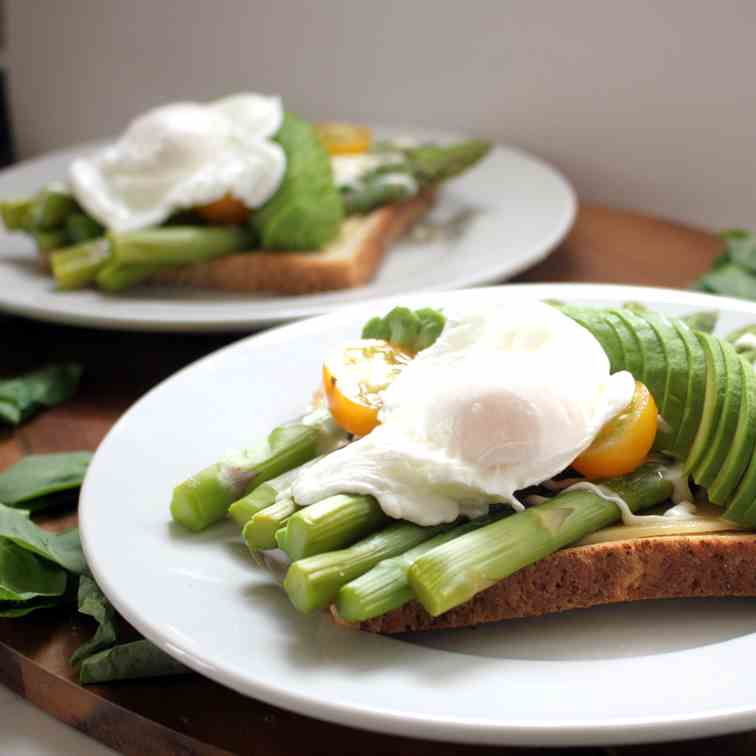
(128, 661)
(306, 211)
(37, 475)
(24, 395)
(28, 582)
(732, 273)
(730, 280)
(92, 601)
(431, 163)
(24, 576)
(740, 246)
(63, 549)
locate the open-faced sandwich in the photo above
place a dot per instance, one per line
(506, 461)
(238, 195)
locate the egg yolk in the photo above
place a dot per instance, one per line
(623, 443)
(355, 376)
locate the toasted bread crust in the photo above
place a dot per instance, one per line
(584, 576)
(349, 261)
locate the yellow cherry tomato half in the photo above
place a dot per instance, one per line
(353, 379)
(224, 212)
(623, 443)
(344, 138)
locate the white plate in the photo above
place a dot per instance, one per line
(522, 208)
(627, 673)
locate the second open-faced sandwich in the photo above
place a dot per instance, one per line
(236, 194)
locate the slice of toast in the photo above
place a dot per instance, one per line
(603, 573)
(349, 261)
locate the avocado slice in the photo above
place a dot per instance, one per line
(694, 396)
(592, 320)
(632, 355)
(741, 449)
(654, 370)
(653, 355)
(714, 399)
(676, 381)
(724, 430)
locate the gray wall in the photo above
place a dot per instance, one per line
(647, 105)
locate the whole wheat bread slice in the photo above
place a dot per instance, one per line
(350, 260)
(604, 573)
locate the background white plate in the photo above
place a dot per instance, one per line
(524, 207)
(639, 672)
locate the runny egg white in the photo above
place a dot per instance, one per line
(507, 397)
(183, 155)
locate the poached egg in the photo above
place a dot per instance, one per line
(183, 155)
(506, 398)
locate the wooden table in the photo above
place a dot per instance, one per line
(192, 715)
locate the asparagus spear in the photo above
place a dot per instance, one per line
(410, 330)
(116, 277)
(453, 573)
(260, 532)
(78, 265)
(178, 245)
(205, 497)
(265, 494)
(332, 523)
(375, 191)
(15, 214)
(312, 583)
(244, 509)
(386, 587)
(47, 240)
(136, 255)
(430, 163)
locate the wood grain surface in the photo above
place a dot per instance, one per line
(191, 715)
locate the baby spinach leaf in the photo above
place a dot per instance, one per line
(24, 395)
(37, 475)
(24, 576)
(63, 549)
(92, 601)
(730, 280)
(128, 661)
(740, 246)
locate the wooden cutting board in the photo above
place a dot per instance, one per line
(191, 715)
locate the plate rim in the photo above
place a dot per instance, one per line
(220, 322)
(616, 730)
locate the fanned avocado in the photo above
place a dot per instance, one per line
(741, 450)
(592, 320)
(677, 377)
(714, 398)
(696, 391)
(726, 421)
